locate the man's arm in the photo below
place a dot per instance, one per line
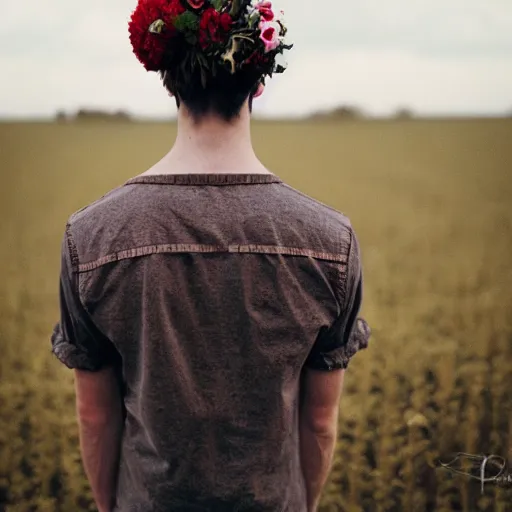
(320, 397)
(100, 418)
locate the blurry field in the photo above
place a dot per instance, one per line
(431, 202)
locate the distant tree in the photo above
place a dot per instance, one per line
(343, 113)
(83, 115)
(121, 115)
(61, 116)
(404, 114)
(348, 112)
(101, 115)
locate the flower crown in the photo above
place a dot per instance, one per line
(209, 34)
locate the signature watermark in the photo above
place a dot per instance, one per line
(484, 468)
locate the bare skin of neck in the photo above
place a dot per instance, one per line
(212, 146)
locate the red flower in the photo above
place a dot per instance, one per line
(196, 4)
(150, 48)
(258, 59)
(213, 27)
(226, 21)
(170, 12)
(265, 10)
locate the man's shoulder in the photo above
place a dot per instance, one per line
(323, 208)
(120, 200)
(124, 215)
(327, 219)
(97, 228)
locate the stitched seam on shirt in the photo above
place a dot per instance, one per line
(345, 275)
(73, 253)
(316, 201)
(205, 179)
(196, 248)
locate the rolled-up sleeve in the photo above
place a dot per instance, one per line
(349, 334)
(76, 340)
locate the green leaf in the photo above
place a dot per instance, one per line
(244, 4)
(254, 19)
(188, 21)
(235, 8)
(218, 4)
(191, 38)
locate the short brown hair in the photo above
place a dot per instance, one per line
(223, 94)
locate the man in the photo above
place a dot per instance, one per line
(208, 309)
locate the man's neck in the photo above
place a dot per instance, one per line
(211, 146)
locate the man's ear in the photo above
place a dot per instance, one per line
(259, 91)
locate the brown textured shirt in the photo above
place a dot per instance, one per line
(210, 293)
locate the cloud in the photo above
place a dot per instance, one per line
(433, 56)
(379, 81)
(382, 80)
(468, 26)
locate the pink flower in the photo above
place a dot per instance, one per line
(265, 10)
(270, 35)
(195, 4)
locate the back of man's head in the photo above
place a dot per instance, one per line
(212, 55)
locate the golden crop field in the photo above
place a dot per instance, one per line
(431, 202)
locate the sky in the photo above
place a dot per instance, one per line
(435, 57)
